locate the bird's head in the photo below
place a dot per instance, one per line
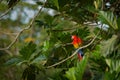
(73, 37)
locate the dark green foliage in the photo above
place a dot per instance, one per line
(76, 73)
(77, 10)
(12, 3)
(31, 59)
(30, 73)
(71, 17)
(109, 19)
(82, 32)
(28, 50)
(56, 74)
(26, 54)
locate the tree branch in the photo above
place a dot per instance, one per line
(59, 30)
(7, 33)
(74, 52)
(6, 12)
(26, 28)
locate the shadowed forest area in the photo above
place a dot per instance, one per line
(59, 39)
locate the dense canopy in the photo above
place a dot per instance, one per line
(36, 44)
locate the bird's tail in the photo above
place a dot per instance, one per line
(80, 54)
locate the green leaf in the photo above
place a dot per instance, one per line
(70, 74)
(109, 76)
(76, 73)
(39, 60)
(46, 45)
(56, 3)
(96, 52)
(30, 73)
(108, 46)
(54, 73)
(82, 32)
(118, 22)
(109, 19)
(39, 22)
(13, 61)
(81, 68)
(22, 62)
(113, 64)
(53, 4)
(48, 20)
(28, 50)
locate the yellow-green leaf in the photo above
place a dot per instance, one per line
(56, 3)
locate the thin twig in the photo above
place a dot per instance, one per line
(8, 33)
(56, 30)
(7, 51)
(74, 52)
(26, 28)
(68, 29)
(6, 12)
(66, 44)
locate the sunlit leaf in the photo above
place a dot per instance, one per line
(118, 22)
(113, 64)
(56, 3)
(109, 19)
(81, 68)
(108, 46)
(46, 45)
(76, 73)
(70, 74)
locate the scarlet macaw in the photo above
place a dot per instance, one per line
(77, 42)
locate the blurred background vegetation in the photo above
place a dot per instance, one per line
(48, 41)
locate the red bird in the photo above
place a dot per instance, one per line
(77, 42)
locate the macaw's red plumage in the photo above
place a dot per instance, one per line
(77, 42)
